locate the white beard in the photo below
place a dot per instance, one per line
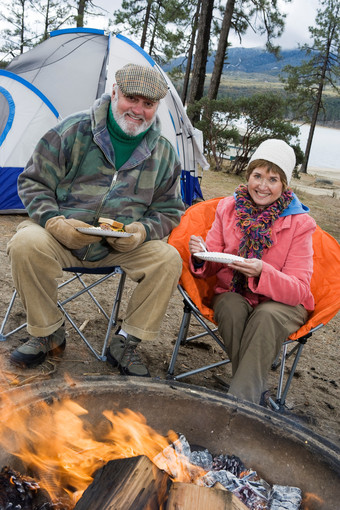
(128, 127)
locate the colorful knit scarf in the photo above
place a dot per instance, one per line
(256, 227)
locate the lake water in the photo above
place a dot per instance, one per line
(324, 158)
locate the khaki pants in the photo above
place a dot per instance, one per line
(253, 337)
(37, 259)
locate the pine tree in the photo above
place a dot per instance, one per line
(261, 16)
(201, 53)
(307, 82)
(18, 34)
(48, 15)
(190, 53)
(157, 25)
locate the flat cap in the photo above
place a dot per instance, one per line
(137, 80)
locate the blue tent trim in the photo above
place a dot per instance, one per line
(76, 30)
(34, 89)
(8, 189)
(138, 48)
(190, 187)
(11, 113)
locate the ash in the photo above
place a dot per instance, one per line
(19, 492)
(284, 497)
(244, 482)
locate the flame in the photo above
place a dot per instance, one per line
(311, 501)
(63, 450)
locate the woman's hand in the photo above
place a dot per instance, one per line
(196, 244)
(251, 268)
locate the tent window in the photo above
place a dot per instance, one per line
(6, 113)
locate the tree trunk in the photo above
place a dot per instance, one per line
(45, 36)
(304, 165)
(190, 54)
(221, 50)
(146, 23)
(152, 41)
(80, 13)
(201, 53)
(22, 29)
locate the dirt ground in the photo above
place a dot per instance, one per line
(313, 399)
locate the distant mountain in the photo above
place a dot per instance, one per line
(252, 60)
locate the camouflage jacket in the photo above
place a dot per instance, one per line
(72, 173)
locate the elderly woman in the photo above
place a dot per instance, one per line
(261, 300)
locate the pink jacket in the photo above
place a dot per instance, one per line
(287, 264)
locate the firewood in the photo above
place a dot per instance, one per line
(126, 484)
(186, 496)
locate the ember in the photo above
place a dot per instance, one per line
(23, 493)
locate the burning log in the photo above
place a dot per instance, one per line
(201, 480)
(136, 483)
(133, 483)
(187, 496)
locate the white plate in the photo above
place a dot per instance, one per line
(101, 232)
(214, 256)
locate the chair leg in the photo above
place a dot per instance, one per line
(281, 393)
(112, 319)
(114, 314)
(83, 337)
(3, 336)
(291, 375)
(182, 339)
(211, 331)
(87, 289)
(183, 331)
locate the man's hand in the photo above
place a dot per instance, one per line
(125, 244)
(65, 232)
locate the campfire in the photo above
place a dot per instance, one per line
(60, 459)
(63, 452)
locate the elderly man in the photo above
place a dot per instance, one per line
(109, 162)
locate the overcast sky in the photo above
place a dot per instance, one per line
(300, 15)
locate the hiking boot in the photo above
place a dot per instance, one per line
(122, 354)
(35, 350)
(117, 339)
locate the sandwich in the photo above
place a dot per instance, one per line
(108, 224)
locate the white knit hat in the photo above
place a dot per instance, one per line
(278, 152)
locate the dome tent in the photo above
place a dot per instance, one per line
(65, 74)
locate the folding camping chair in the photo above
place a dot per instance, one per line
(102, 274)
(197, 295)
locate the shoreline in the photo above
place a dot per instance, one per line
(329, 173)
(301, 123)
(318, 181)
